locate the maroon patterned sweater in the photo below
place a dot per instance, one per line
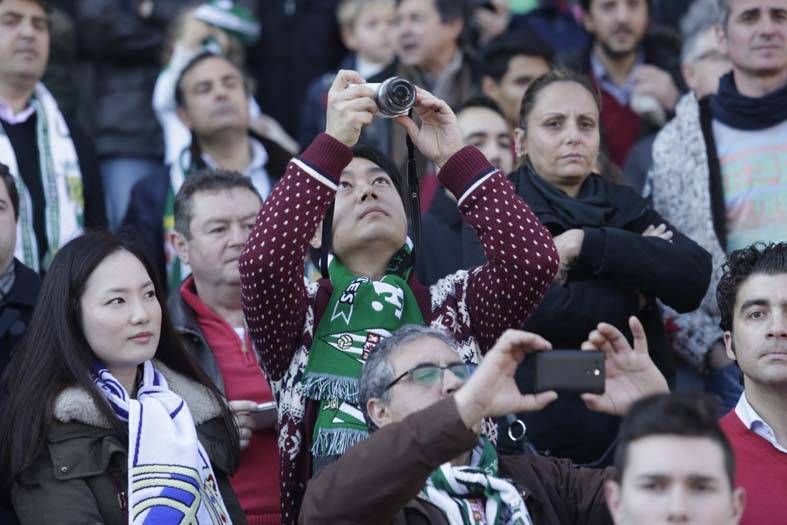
(475, 306)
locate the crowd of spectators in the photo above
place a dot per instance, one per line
(232, 291)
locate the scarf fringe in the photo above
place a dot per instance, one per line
(331, 386)
(331, 442)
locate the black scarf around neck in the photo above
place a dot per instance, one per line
(747, 113)
(595, 205)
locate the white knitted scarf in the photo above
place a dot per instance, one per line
(61, 179)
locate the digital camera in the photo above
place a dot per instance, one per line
(394, 97)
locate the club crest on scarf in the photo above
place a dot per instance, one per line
(360, 313)
(174, 494)
(170, 478)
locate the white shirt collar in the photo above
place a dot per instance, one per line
(752, 420)
(8, 115)
(255, 170)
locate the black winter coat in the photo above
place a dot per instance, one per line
(16, 310)
(613, 266)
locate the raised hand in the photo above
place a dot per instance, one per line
(654, 81)
(630, 373)
(438, 137)
(351, 106)
(492, 390)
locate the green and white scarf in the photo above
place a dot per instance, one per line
(61, 179)
(360, 313)
(452, 489)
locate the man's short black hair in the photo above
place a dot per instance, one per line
(681, 415)
(480, 101)
(10, 186)
(498, 53)
(769, 259)
(449, 10)
(207, 180)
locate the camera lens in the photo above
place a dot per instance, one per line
(400, 94)
(395, 97)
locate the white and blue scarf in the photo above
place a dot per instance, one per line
(170, 479)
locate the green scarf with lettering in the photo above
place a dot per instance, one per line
(360, 313)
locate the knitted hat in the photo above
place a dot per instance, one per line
(233, 18)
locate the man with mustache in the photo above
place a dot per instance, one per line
(752, 297)
(638, 73)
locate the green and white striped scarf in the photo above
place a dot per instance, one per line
(453, 488)
(61, 180)
(360, 313)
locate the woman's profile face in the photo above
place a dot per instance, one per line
(121, 316)
(562, 138)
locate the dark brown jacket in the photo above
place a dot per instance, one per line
(378, 480)
(82, 476)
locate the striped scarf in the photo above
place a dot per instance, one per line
(61, 180)
(454, 490)
(170, 479)
(360, 313)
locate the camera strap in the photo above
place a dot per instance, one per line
(412, 192)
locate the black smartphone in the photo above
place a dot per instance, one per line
(264, 415)
(564, 371)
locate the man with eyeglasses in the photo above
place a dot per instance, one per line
(424, 461)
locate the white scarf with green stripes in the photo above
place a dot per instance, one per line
(61, 179)
(475, 494)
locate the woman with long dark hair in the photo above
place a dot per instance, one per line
(106, 418)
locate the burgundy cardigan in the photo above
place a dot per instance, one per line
(474, 306)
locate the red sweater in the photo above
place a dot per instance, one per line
(761, 470)
(620, 127)
(256, 481)
(476, 307)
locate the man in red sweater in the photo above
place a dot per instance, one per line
(673, 465)
(214, 213)
(752, 297)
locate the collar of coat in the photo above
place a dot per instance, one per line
(76, 404)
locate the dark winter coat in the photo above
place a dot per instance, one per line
(82, 475)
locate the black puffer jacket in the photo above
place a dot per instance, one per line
(121, 55)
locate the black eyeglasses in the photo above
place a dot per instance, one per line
(430, 374)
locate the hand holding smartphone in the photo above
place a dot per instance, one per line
(564, 371)
(265, 415)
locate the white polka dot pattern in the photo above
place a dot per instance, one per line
(476, 306)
